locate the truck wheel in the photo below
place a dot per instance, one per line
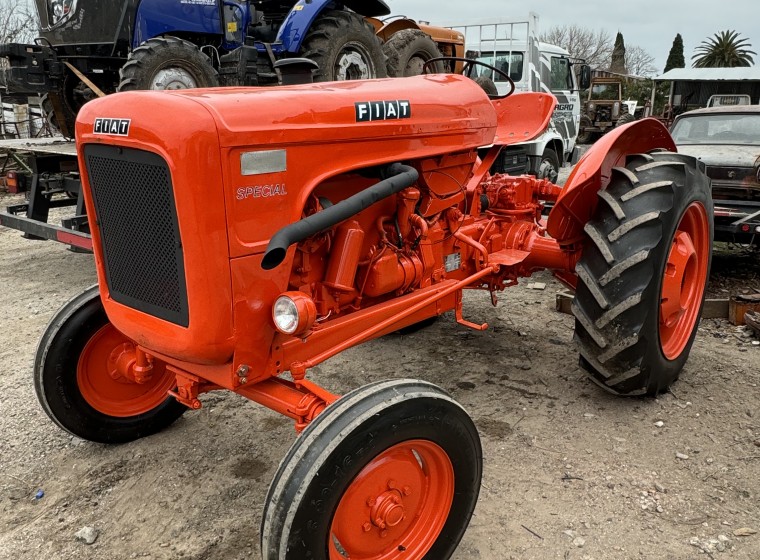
(345, 47)
(164, 63)
(68, 114)
(391, 467)
(643, 272)
(78, 385)
(549, 167)
(586, 136)
(407, 52)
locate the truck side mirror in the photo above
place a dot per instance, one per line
(584, 80)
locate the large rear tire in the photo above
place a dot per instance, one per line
(643, 273)
(76, 383)
(345, 47)
(167, 63)
(408, 51)
(391, 467)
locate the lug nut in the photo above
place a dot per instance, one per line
(366, 527)
(407, 491)
(391, 484)
(370, 501)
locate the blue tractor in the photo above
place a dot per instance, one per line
(88, 48)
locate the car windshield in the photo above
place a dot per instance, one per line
(718, 129)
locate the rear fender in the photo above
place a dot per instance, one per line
(297, 23)
(522, 117)
(577, 201)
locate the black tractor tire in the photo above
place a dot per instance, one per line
(487, 84)
(167, 63)
(345, 47)
(586, 136)
(80, 324)
(625, 118)
(69, 115)
(549, 166)
(637, 306)
(379, 426)
(408, 51)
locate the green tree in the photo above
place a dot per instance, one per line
(725, 50)
(675, 58)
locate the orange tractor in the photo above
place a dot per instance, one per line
(243, 236)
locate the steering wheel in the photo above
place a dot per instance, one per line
(469, 65)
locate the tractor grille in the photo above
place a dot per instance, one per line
(137, 219)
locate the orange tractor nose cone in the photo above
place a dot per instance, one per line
(683, 283)
(398, 502)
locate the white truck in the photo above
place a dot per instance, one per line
(513, 47)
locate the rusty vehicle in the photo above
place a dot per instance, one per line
(726, 139)
(301, 221)
(602, 108)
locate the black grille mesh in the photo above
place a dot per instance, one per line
(142, 253)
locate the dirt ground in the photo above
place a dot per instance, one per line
(570, 472)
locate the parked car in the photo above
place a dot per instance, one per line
(727, 141)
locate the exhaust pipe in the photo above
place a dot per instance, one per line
(396, 178)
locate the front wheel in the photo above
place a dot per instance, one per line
(390, 470)
(76, 377)
(643, 273)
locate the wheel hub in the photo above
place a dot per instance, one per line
(352, 64)
(684, 280)
(172, 79)
(388, 510)
(398, 502)
(115, 381)
(675, 290)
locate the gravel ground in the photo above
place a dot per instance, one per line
(570, 472)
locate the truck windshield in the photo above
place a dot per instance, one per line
(734, 128)
(511, 63)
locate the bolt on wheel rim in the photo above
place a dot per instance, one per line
(106, 389)
(399, 502)
(684, 280)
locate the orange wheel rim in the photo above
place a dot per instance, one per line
(107, 390)
(684, 280)
(398, 503)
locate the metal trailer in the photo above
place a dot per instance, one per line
(50, 176)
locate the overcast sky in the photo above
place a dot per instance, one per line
(650, 25)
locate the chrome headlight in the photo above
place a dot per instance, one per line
(294, 313)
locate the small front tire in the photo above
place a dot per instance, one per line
(392, 466)
(78, 388)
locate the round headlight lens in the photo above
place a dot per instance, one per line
(285, 315)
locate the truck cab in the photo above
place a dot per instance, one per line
(513, 48)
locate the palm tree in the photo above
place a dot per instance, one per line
(725, 50)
